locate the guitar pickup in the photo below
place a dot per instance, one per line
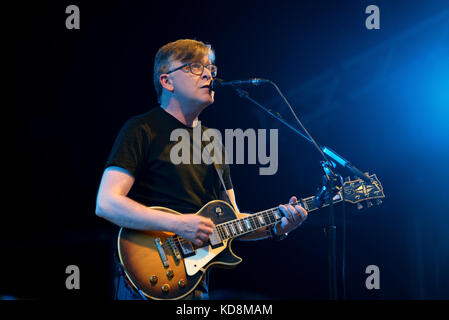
(187, 248)
(161, 252)
(175, 250)
(213, 246)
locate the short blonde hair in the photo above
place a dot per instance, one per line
(184, 50)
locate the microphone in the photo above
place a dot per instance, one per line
(217, 83)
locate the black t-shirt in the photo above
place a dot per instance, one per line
(143, 148)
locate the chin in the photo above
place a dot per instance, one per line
(206, 104)
(208, 101)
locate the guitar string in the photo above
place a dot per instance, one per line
(254, 221)
(253, 218)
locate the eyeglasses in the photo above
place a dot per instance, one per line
(197, 68)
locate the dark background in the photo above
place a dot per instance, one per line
(378, 97)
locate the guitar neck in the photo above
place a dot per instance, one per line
(237, 227)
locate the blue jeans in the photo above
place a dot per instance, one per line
(125, 292)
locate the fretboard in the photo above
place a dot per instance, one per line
(266, 218)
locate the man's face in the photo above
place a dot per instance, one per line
(191, 88)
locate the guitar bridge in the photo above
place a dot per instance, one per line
(161, 252)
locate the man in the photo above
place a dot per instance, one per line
(139, 173)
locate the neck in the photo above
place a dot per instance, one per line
(186, 114)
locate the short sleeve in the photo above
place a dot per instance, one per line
(130, 147)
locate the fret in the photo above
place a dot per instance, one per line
(220, 232)
(271, 216)
(227, 231)
(236, 226)
(248, 224)
(232, 228)
(253, 222)
(257, 222)
(223, 232)
(266, 217)
(234, 223)
(310, 204)
(243, 226)
(305, 204)
(239, 225)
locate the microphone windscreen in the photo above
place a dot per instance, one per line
(216, 83)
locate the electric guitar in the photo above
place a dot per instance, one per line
(162, 265)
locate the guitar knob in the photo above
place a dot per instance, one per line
(369, 204)
(181, 283)
(378, 202)
(359, 206)
(218, 211)
(170, 274)
(165, 288)
(153, 279)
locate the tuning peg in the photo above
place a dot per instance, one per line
(359, 206)
(369, 204)
(367, 173)
(347, 179)
(378, 202)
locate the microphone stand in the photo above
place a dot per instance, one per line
(330, 182)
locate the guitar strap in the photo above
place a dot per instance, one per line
(216, 163)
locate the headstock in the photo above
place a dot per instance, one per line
(356, 191)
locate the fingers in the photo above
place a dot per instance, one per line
(289, 212)
(205, 229)
(301, 211)
(198, 242)
(295, 213)
(292, 200)
(206, 226)
(207, 222)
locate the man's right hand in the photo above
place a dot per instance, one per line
(194, 228)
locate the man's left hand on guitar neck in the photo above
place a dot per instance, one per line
(294, 216)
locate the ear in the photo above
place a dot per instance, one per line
(166, 82)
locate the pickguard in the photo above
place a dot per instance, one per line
(202, 257)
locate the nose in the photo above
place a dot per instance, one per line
(206, 74)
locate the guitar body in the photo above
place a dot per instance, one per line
(166, 275)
